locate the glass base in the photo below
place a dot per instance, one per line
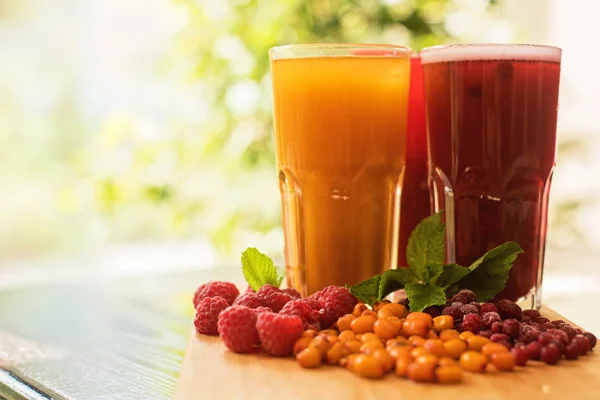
(532, 300)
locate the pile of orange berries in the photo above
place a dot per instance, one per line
(373, 343)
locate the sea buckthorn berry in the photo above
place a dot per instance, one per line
(415, 327)
(455, 347)
(321, 344)
(421, 372)
(448, 334)
(343, 323)
(378, 304)
(311, 333)
(358, 309)
(301, 344)
(385, 329)
(328, 332)
(445, 361)
(420, 316)
(363, 324)
(432, 335)
(370, 312)
(465, 335)
(309, 358)
(358, 337)
(416, 341)
(418, 351)
(346, 335)
(397, 352)
(384, 357)
(477, 342)
(396, 322)
(493, 348)
(399, 341)
(473, 361)
(503, 361)
(368, 347)
(346, 362)
(443, 322)
(335, 354)
(435, 346)
(427, 358)
(402, 364)
(392, 310)
(331, 339)
(448, 374)
(367, 366)
(368, 337)
(352, 346)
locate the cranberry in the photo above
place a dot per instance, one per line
(579, 331)
(496, 337)
(533, 314)
(546, 326)
(511, 327)
(485, 333)
(488, 307)
(582, 343)
(469, 295)
(530, 334)
(458, 327)
(505, 343)
(557, 322)
(458, 298)
(476, 305)
(559, 335)
(469, 309)
(572, 351)
(525, 319)
(534, 325)
(592, 338)
(541, 320)
(496, 327)
(512, 311)
(550, 354)
(490, 317)
(502, 305)
(569, 331)
(533, 350)
(472, 322)
(434, 311)
(453, 311)
(561, 346)
(521, 355)
(544, 338)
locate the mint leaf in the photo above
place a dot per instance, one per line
(395, 279)
(432, 272)
(488, 274)
(258, 269)
(426, 244)
(421, 296)
(368, 290)
(451, 274)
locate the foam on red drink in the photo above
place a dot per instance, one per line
(415, 194)
(491, 114)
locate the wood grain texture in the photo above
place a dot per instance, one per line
(210, 371)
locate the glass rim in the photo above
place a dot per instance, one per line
(326, 50)
(490, 51)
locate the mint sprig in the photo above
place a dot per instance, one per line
(259, 270)
(428, 282)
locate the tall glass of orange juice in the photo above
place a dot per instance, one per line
(340, 116)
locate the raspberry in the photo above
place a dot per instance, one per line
(292, 292)
(529, 334)
(273, 298)
(301, 309)
(278, 333)
(326, 317)
(207, 314)
(591, 337)
(488, 307)
(469, 309)
(453, 311)
(226, 290)
(314, 304)
(490, 317)
(237, 327)
(472, 322)
(250, 300)
(497, 337)
(458, 298)
(511, 327)
(485, 333)
(262, 309)
(501, 305)
(533, 314)
(434, 311)
(469, 295)
(337, 301)
(249, 290)
(525, 319)
(496, 327)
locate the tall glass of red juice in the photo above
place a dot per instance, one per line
(491, 120)
(414, 202)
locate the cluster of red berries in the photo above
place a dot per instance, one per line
(272, 318)
(528, 334)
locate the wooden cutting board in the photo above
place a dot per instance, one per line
(210, 371)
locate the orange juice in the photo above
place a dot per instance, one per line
(340, 128)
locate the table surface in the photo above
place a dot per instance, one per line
(125, 338)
